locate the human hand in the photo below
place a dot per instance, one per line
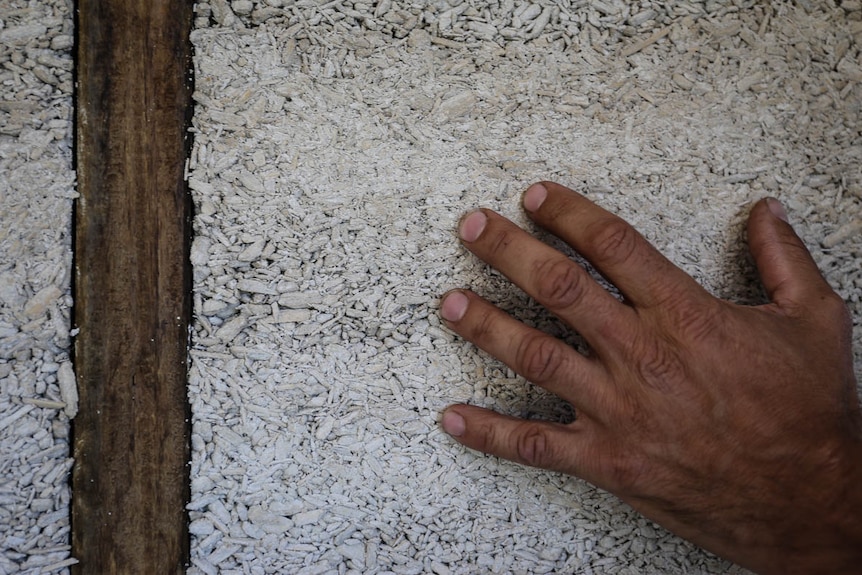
(735, 427)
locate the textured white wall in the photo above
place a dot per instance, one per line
(336, 147)
(37, 382)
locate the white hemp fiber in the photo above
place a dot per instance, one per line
(336, 145)
(38, 395)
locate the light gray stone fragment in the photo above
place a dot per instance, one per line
(68, 388)
(231, 328)
(22, 34)
(252, 252)
(201, 527)
(353, 550)
(269, 522)
(255, 286)
(39, 303)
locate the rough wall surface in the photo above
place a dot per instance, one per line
(37, 383)
(337, 145)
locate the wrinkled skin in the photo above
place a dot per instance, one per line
(735, 427)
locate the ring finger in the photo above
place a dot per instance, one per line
(537, 356)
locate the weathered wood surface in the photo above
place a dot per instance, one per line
(131, 439)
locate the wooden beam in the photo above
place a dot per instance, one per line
(131, 437)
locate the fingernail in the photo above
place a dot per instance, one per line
(534, 197)
(472, 226)
(777, 209)
(453, 424)
(454, 306)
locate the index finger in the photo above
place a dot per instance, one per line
(644, 276)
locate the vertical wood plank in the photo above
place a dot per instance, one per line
(131, 438)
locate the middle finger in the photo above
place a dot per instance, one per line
(547, 275)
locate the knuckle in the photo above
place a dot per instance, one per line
(698, 322)
(657, 364)
(483, 326)
(487, 438)
(566, 205)
(499, 241)
(613, 241)
(540, 357)
(533, 447)
(560, 283)
(791, 248)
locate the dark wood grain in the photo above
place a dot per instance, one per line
(131, 438)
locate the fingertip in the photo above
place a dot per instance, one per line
(453, 423)
(766, 211)
(472, 225)
(535, 196)
(777, 209)
(454, 305)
